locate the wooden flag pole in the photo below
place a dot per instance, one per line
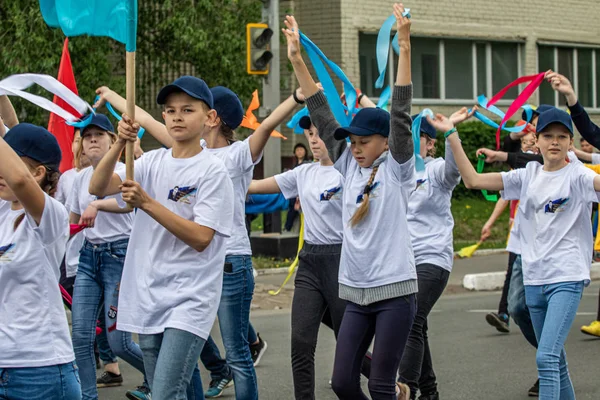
(130, 107)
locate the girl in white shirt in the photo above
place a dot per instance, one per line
(100, 263)
(377, 268)
(36, 355)
(555, 235)
(319, 187)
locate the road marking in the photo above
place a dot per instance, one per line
(482, 311)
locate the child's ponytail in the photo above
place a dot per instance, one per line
(362, 211)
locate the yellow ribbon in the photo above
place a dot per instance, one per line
(467, 252)
(292, 268)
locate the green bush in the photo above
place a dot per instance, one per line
(473, 135)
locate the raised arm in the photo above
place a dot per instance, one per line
(7, 112)
(259, 138)
(588, 130)
(472, 180)
(264, 186)
(155, 128)
(451, 176)
(400, 140)
(320, 112)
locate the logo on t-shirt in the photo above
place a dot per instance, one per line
(4, 252)
(420, 184)
(329, 194)
(557, 205)
(182, 194)
(370, 190)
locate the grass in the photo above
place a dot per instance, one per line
(469, 216)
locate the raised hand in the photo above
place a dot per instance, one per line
(128, 129)
(560, 83)
(440, 122)
(462, 115)
(103, 92)
(292, 35)
(490, 155)
(402, 25)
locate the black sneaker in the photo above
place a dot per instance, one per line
(257, 350)
(108, 379)
(499, 321)
(432, 396)
(534, 391)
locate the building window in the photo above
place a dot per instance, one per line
(447, 70)
(579, 65)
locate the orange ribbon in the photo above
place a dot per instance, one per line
(250, 120)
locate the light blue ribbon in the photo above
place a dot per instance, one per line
(293, 123)
(384, 97)
(317, 57)
(383, 45)
(416, 135)
(86, 121)
(482, 101)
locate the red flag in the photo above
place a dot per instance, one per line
(56, 125)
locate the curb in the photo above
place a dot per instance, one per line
(495, 280)
(284, 270)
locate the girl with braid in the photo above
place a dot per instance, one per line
(377, 275)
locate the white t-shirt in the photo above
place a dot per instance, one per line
(595, 158)
(377, 251)
(64, 190)
(65, 185)
(430, 220)
(33, 324)
(166, 283)
(320, 190)
(514, 237)
(108, 227)
(555, 229)
(238, 160)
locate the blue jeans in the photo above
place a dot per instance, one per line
(234, 317)
(106, 354)
(170, 359)
(55, 382)
(98, 280)
(517, 305)
(552, 309)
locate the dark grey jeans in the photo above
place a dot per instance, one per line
(416, 368)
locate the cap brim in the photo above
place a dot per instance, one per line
(172, 88)
(542, 127)
(343, 133)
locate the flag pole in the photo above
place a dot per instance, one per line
(130, 107)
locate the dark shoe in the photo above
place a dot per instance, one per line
(216, 388)
(140, 393)
(108, 379)
(432, 396)
(498, 321)
(257, 350)
(534, 391)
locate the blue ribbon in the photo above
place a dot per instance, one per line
(293, 123)
(482, 101)
(416, 135)
(86, 121)
(383, 45)
(384, 97)
(317, 57)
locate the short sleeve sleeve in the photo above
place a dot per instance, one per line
(54, 223)
(288, 182)
(513, 182)
(214, 202)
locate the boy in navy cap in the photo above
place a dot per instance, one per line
(173, 274)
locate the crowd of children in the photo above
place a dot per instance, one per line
(167, 253)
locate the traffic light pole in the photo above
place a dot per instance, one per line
(271, 99)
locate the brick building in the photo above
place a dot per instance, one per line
(460, 49)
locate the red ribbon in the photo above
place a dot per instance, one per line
(535, 82)
(76, 228)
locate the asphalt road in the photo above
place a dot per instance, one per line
(471, 359)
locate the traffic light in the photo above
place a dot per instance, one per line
(258, 38)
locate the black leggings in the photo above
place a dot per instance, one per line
(390, 322)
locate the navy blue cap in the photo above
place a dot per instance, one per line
(102, 122)
(190, 85)
(554, 116)
(536, 111)
(228, 106)
(305, 122)
(35, 142)
(426, 127)
(366, 122)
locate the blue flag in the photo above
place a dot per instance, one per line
(116, 19)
